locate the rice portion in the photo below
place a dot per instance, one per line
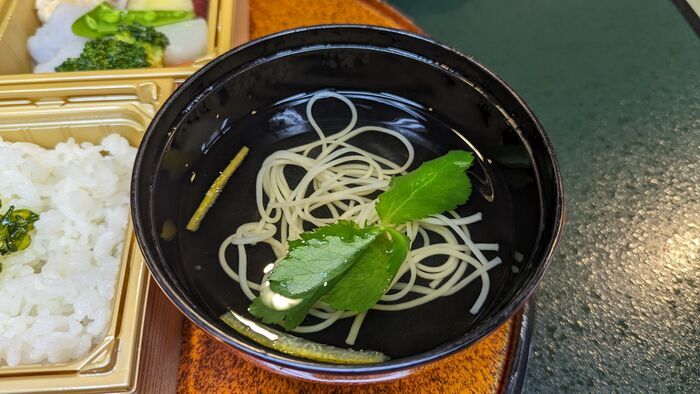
(56, 295)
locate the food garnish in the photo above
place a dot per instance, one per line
(436, 186)
(213, 193)
(350, 267)
(15, 225)
(373, 272)
(299, 347)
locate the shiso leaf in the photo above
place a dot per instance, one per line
(319, 257)
(290, 318)
(370, 277)
(436, 186)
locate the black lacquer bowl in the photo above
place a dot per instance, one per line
(255, 96)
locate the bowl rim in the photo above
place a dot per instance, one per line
(260, 352)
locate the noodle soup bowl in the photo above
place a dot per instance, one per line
(258, 96)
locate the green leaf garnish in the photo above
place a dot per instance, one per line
(289, 318)
(15, 226)
(332, 249)
(436, 186)
(350, 267)
(319, 257)
(370, 277)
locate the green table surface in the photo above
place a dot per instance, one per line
(616, 84)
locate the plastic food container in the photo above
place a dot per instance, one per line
(18, 22)
(46, 114)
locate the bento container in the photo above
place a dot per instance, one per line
(18, 22)
(46, 114)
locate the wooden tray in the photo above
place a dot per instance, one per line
(495, 364)
(179, 357)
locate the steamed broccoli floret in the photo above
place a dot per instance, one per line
(107, 54)
(153, 41)
(134, 46)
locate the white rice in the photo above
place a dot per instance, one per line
(56, 296)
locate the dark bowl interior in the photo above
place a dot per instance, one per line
(438, 98)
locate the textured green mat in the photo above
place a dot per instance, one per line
(617, 86)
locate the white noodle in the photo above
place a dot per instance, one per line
(355, 328)
(341, 180)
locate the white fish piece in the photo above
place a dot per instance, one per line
(72, 49)
(56, 33)
(46, 8)
(188, 41)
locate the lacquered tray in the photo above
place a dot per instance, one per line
(495, 364)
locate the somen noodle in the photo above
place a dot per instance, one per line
(340, 182)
